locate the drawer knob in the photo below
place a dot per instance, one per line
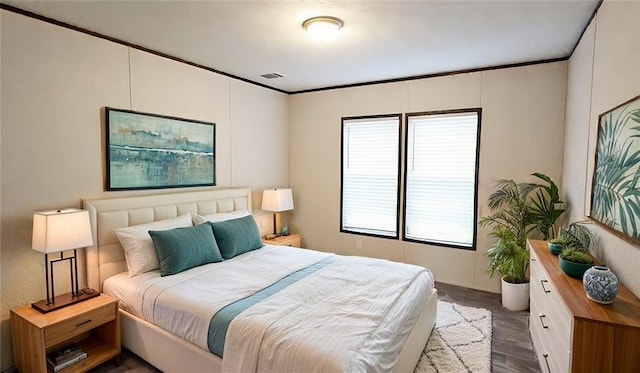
(543, 288)
(546, 361)
(542, 321)
(84, 322)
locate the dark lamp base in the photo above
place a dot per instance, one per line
(64, 300)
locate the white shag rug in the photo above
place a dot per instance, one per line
(460, 341)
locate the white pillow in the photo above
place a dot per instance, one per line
(218, 217)
(139, 251)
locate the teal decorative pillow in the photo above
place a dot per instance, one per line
(182, 248)
(236, 236)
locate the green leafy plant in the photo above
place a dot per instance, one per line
(577, 236)
(576, 255)
(507, 257)
(560, 241)
(511, 210)
(519, 210)
(547, 206)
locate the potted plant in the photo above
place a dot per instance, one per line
(519, 210)
(575, 258)
(546, 207)
(577, 235)
(557, 244)
(511, 260)
(575, 261)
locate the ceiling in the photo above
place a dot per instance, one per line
(380, 40)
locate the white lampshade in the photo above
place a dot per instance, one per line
(60, 230)
(277, 200)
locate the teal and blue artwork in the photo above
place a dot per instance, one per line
(148, 151)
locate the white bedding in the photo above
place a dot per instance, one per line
(352, 315)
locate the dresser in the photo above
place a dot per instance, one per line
(571, 333)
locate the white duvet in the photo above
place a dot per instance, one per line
(353, 315)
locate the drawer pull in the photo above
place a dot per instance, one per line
(546, 361)
(542, 322)
(543, 288)
(84, 322)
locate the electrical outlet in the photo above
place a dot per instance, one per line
(358, 244)
(263, 223)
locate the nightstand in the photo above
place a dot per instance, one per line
(93, 324)
(289, 240)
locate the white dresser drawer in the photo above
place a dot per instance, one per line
(552, 314)
(552, 354)
(547, 364)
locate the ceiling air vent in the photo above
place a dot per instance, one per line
(272, 76)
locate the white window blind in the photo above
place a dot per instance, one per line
(441, 178)
(370, 157)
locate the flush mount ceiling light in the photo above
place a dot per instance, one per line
(322, 28)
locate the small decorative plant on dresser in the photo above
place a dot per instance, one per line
(556, 245)
(575, 262)
(575, 257)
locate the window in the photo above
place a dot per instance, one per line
(441, 177)
(370, 175)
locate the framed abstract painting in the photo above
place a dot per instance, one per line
(615, 198)
(149, 151)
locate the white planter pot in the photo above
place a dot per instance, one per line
(515, 297)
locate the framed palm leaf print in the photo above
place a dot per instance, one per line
(615, 198)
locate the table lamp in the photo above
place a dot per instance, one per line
(277, 200)
(57, 231)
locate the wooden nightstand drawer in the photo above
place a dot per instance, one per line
(290, 240)
(79, 324)
(93, 324)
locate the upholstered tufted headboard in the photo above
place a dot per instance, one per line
(106, 257)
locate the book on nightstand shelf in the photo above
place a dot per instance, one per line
(64, 357)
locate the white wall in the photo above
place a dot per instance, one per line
(259, 143)
(604, 72)
(522, 132)
(55, 82)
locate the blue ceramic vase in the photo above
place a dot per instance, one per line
(600, 284)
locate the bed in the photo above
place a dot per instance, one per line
(166, 348)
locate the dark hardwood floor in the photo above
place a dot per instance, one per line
(511, 348)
